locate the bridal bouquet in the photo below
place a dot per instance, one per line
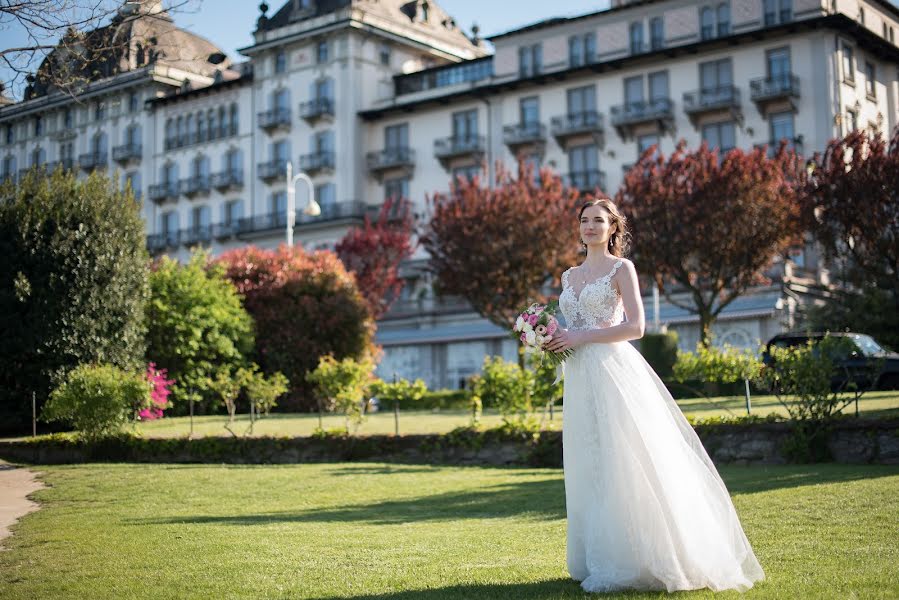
(535, 326)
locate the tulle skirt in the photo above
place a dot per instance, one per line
(646, 507)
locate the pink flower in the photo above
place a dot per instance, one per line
(524, 316)
(532, 319)
(540, 329)
(552, 326)
(524, 338)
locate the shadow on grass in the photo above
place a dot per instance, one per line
(536, 499)
(541, 590)
(751, 480)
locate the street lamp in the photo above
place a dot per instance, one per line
(312, 208)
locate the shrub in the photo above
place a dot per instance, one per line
(505, 386)
(98, 400)
(305, 306)
(196, 328)
(342, 386)
(542, 375)
(660, 351)
(713, 364)
(402, 391)
(263, 392)
(74, 273)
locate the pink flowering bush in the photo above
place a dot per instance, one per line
(159, 393)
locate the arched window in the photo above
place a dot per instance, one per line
(38, 157)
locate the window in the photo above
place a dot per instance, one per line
(645, 142)
(133, 102)
(656, 33)
(396, 137)
(581, 49)
(223, 122)
(636, 37)
(132, 181)
(530, 60)
(465, 126)
(281, 100)
(529, 111)
(170, 174)
(851, 120)
(384, 54)
(633, 90)
(232, 211)
(281, 61)
(38, 125)
(38, 157)
(200, 219)
(778, 65)
(67, 120)
(9, 134)
(99, 110)
(396, 189)
(721, 136)
(233, 162)
(182, 131)
(66, 153)
(782, 127)
(98, 145)
(169, 223)
(212, 128)
(658, 86)
(467, 172)
(323, 89)
(9, 167)
(201, 127)
(281, 151)
(581, 103)
(723, 14)
(716, 81)
(870, 80)
(778, 11)
(583, 167)
(323, 142)
(132, 135)
(706, 23)
(235, 118)
(321, 52)
(191, 129)
(848, 64)
(278, 204)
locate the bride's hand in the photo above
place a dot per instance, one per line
(563, 340)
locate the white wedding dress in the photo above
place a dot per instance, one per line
(646, 508)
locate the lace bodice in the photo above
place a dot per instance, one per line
(597, 305)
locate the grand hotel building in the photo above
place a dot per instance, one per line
(376, 98)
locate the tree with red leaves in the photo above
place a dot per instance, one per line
(711, 226)
(852, 208)
(305, 306)
(499, 247)
(374, 252)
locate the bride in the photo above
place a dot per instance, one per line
(646, 508)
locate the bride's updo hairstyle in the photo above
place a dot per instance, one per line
(619, 241)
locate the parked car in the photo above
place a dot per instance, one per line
(869, 365)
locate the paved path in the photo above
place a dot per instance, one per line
(15, 485)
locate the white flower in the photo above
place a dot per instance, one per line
(530, 337)
(547, 339)
(540, 340)
(527, 327)
(519, 323)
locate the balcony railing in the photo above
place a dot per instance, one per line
(711, 99)
(158, 242)
(587, 181)
(197, 184)
(428, 306)
(200, 234)
(160, 192)
(316, 109)
(65, 163)
(227, 180)
(632, 113)
(278, 221)
(317, 162)
(274, 118)
(272, 169)
(224, 231)
(572, 124)
(524, 133)
(126, 152)
(765, 89)
(92, 160)
(458, 146)
(390, 158)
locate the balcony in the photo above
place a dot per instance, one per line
(586, 181)
(227, 180)
(275, 118)
(195, 185)
(524, 134)
(473, 147)
(625, 117)
(277, 222)
(783, 89)
(200, 234)
(316, 109)
(225, 231)
(711, 100)
(126, 153)
(65, 163)
(577, 124)
(160, 192)
(272, 169)
(92, 160)
(428, 306)
(160, 242)
(317, 162)
(400, 158)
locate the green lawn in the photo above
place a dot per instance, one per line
(872, 403)
(396, 532)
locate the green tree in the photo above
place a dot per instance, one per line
(263, 392)
(98, 400)
(342, 385)
(505, 386)
(197, 327)
(73, 284)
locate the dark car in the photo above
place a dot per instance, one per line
(867, 363)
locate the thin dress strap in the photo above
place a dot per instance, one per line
(565, 278)
(615, 268)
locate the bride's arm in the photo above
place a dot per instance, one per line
(632, 329)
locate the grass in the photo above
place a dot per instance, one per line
(394, 532)
(871, 404)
